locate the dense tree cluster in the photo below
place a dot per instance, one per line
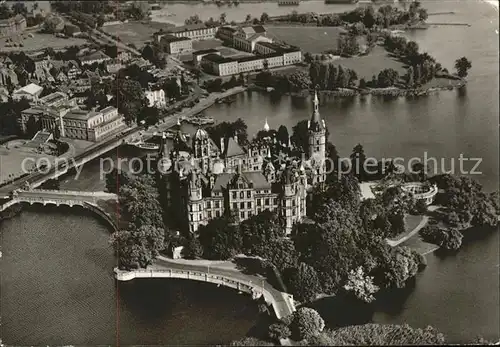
(466, 200)
(226, 130)
(144, 238)
(385, 16)
(449, 239)
(289, 83)
(330, 76)
(379, 335)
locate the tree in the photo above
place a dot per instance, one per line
(222, 18)
(361, 285)
(306, 323)
(220, 238)
(381, 335)
(358, 160)
(148, 53)
(193, 248)
(115, 179)
(264, 17)
(303, 282)
(462, 66)
(278, 331)
(402, 265)
(308, 57)
(387, 78)
(259, 231)
(130, 98)
(362, 83)
(19, 8)
(138, 247)
(139, 202)
(251, 341)
(248, 18)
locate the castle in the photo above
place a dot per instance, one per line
(205, 179)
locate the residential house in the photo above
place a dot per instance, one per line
(8, 77)
(156, 98)
(94, 57)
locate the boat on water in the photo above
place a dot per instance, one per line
(147, 146)
(341, 1)
(197, 120)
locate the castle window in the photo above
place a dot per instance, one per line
(242, 195)
(210, 214)
(275, 201)
(317, 142)
(267, 202)
(217, 213)
(317, 148)
(249, 194)
(293, 203)
(249, 204)
(217, 204)
(258, 202)
(242, 215)
(235, 206)
(242, 205)
(234, 195)
(209, 204)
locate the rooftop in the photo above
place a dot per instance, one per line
(94, 56)
(217, 58)
(206, 51)
(257, 179)
(189, 27)
(233, 149)
(31, 89)
(171, 38)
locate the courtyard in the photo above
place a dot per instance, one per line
(33, 41)
(137, 33)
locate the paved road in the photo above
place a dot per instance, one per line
(423, 223)
(277, 297)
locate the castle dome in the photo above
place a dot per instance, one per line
(201, 134)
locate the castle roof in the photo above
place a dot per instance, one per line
(201, 134)
(233, 149)
(316, 123)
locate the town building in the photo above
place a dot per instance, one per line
(13, 25)
(219, 65)
(71, 121)
(94, 57)
(288, 2)
(225, 33)
(197, 55)
(271, 56)
(175, 45)
(8, 77)
(31, 92)
(209, 178)
(245, 38)
(156, 98)
(192, 31)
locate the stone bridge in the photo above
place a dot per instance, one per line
(45, 197)
(282, 303)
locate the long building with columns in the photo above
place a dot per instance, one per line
(209, 178)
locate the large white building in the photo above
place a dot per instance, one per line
(156, 98)
(245, 38)
(192, 31)
(271, 56)
(31, 92)
(56, 111)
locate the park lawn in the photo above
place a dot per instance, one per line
(136, 32)
(39, 41)
(309, 39)
(368, 65)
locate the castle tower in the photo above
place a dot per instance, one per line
(317, 144)
(202, 150)
(195, 202)
(316, 133)
(266, 126)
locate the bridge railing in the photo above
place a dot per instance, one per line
(282, 305)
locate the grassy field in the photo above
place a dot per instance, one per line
(371, 64)
(39, 42)
(135, 32)
(309, 39)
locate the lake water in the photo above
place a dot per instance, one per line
(56, 272)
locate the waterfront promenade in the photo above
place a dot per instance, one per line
(217, 272)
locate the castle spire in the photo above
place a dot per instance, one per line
(316, 124)
(266, 126)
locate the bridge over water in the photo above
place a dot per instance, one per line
(282, 303)
(87, 200)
